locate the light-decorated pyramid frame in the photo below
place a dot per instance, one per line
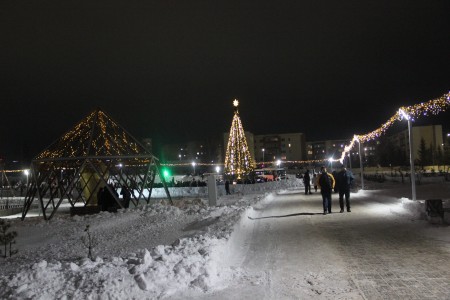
(94, 153)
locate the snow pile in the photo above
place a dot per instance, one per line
(155, 273)
(189, 262)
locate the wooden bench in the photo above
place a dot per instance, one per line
(84, 210)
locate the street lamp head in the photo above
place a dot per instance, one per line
(217, 169)
(330, 159)
(26, 172)
(404, 114)
(278, 162)
(193, 163)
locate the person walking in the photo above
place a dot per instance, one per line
(314, 182)
(126, 196)
(326, 183)
(334, 173)
(307, 182)
(101, 201)
(344, 180)
(227, 187)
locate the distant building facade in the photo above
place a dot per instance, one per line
(208, 151)
(271, 147)
(283, 146)
(320, 150)
(431, 135)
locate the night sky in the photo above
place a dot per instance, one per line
(169, 70)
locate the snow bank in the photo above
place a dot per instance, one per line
(195, 261)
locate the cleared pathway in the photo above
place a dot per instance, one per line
(292, 251)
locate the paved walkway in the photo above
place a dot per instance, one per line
(294, 252)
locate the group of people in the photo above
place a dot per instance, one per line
(106, 198)
(327, 183)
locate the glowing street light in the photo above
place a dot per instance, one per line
(217, 169)
(27, 173)
(331, 163)
(411, 154)
(193, 165)
(263, 150)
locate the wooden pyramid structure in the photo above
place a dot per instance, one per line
(96, 153)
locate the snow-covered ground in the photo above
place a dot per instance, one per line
(161, 251)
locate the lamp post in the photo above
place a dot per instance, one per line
(350, 159)
(120, 169)
(27, 173)
(411, 154)
(217, 169)
(278, 172)
(263, 150)
(361, 165)
(193, 165)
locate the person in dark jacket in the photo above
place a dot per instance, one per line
(227, 187)
(314, 182)
(307, 182)
(110, 198)
(344, 180)
(126, 195)
(101, 201)
(326, 183)
(334, 173)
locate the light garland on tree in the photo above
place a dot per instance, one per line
(238, 161)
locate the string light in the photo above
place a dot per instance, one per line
(238, 161)
(432, 107)
(96, 135)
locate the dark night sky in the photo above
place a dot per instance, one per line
(170, 69)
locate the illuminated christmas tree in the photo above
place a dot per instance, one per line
(238, 161)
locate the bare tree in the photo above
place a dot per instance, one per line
(89, 241)
(7, 238)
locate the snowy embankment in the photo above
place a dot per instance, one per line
(147, 252)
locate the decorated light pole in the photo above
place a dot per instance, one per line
(411, 153)
(361, 164)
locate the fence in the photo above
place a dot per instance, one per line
(11, 203)
(244, 189)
